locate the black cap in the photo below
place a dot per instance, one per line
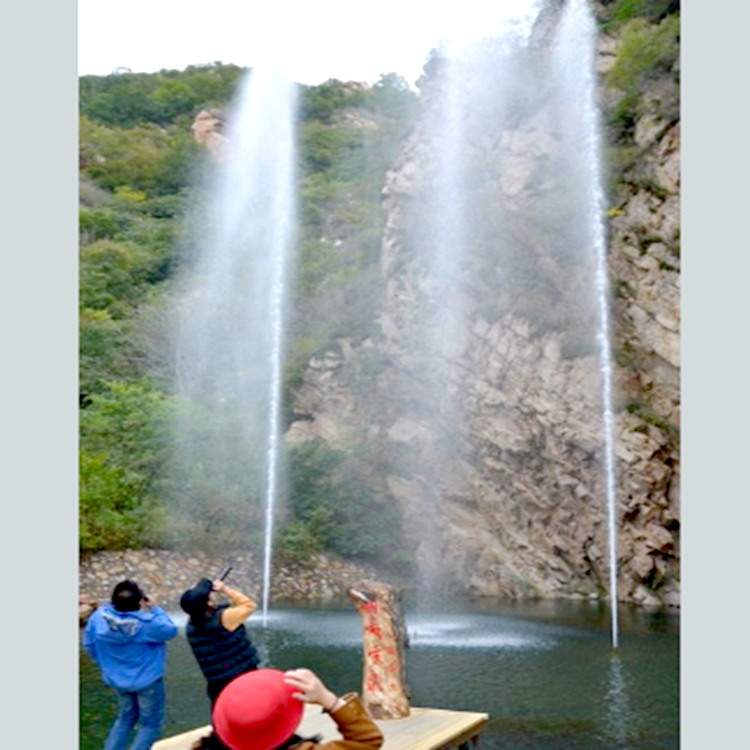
(127, 596)
(195, 600)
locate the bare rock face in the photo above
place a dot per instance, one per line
(328, 411)
(520, 509)
(207, 129)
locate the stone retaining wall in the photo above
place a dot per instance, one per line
(165, 574)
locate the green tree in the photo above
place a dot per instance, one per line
(123, 446)
(138, 162)
(126, 100)
(332, 509)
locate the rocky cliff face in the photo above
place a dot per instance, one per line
(208, 131)
(503, 490)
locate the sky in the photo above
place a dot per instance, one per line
(311, 41)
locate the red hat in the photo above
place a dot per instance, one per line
(256, 711)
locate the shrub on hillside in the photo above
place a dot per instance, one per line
(332, 510)
(123, 445)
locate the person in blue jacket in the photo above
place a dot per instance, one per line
(127, 640)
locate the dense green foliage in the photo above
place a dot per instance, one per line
(123, 446)
(333, 511)
(140, 177)
(144, 158)
(348, 138)
(645, 50)
(125, 100)
(619, 12)
(128, 248)
(648, 56)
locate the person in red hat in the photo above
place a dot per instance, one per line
(261, 710)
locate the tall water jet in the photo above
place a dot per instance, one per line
(504, 434)
(439, 317)
(464, 101)
(575, 61)
(229, 346)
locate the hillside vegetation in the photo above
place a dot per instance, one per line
(140, 178)
(140, 182)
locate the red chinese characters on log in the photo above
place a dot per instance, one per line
(384, 691)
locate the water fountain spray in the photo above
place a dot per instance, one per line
(576, 49)
(232, 315)
(272, 466)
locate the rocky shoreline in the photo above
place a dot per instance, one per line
(165, 574)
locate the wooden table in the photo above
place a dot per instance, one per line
(423, 729)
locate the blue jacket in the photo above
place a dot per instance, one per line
(129, 647)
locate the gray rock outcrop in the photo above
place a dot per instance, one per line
(509, 499)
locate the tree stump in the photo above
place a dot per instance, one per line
(384, 691)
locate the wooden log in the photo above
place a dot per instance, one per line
(384, 690)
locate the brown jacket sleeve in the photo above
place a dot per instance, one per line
(241, 608)
(358, 730)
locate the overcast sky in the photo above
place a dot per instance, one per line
(312, 40)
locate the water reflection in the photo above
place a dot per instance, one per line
(618, 718)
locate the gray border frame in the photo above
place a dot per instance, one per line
(38, 294)
(716, 261)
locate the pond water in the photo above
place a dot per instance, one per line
(544, 671)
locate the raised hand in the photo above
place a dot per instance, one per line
(310, 688)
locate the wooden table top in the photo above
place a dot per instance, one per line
(423, 729)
